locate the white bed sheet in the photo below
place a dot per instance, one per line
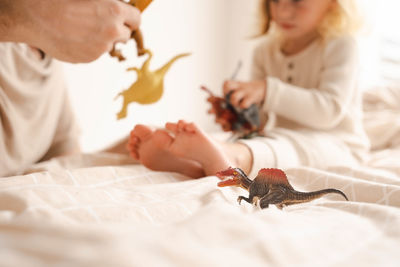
(130, 216)
(102, 210)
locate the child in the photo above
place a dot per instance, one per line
(304, 79)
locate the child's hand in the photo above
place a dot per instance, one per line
(246, 93)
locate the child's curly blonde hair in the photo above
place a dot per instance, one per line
(343, 19)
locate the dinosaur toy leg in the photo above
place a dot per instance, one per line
(133, 69)
(273, 198)
(264, 203)
(123, 112)
(251, 199)
(240, 198)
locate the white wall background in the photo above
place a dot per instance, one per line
(216, 32)
(380, 43)
(170, 27)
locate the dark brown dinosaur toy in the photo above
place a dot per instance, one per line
(244, 123)
(271, 186)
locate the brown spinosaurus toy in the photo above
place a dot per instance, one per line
(270, 187)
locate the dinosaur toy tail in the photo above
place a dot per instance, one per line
(303, 196)
(166, 67)
(118, 95)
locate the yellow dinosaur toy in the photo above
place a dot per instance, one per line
(149, 85)
(140, 4)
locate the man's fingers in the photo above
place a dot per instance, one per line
(124, 34)
(131, 17)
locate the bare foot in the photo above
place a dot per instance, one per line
(192, 143)
(149, 147)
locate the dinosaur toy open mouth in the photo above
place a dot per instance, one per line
(229, 177)
(229, 182)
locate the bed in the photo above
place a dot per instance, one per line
(104, 210)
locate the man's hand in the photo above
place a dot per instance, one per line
(70, 30)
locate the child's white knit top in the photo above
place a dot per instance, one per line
(314, 90)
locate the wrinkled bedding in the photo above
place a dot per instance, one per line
(104, 210)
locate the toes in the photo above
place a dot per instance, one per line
(133, 140)
(134, 154)
(142, 132)
(162, 139)
(133, 150)
(173, 127)
(132, 134)
(139, 134)
(133, 147)
(182, 125)
(191, 128)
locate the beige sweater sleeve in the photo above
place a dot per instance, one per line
(322, 107)
(66, 138)
(36, 119)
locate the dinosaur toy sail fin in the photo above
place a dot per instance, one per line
(273, 176)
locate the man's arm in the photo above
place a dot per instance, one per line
(69, 30)
(7, 25)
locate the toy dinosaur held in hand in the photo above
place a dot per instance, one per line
(136, 35)
(245, 123)
(271, 186)
(149, 85)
